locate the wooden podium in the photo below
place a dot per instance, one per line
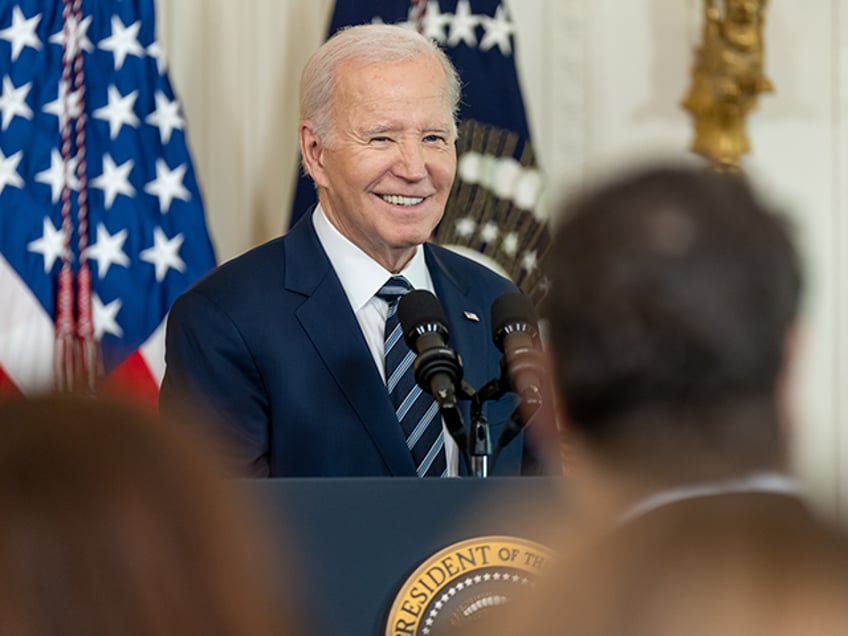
(354, 542)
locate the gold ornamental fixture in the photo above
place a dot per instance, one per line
(727, 77)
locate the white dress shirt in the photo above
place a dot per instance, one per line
(762, 482)
(362, 277)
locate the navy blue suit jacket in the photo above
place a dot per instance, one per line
(267, 350)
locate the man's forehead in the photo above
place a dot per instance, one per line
(394, 106)
(366, 68)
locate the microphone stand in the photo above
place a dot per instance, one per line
(480, 442)
(452, 416)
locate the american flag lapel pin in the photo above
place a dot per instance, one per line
(470, 315)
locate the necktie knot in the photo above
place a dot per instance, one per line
(393, 290)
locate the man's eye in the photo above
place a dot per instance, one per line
(380, 139)
(433, 139)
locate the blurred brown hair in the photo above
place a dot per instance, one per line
(714, 566)
(111, 524)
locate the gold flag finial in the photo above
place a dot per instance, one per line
(726, 79)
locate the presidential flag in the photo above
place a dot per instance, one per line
(493, 211)
(101, 219)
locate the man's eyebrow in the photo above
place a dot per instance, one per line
(388, 128)
(380, 128)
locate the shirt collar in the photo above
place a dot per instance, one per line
(761, 482)
(360, 275)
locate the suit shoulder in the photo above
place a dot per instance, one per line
(467, 264)
(258, 267)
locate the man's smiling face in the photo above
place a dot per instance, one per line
(385, 172)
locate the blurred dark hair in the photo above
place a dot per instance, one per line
(112, 524)
(672, 292)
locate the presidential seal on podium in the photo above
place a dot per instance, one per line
(463, 581)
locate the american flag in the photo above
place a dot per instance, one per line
(94, 168)
(493, 212)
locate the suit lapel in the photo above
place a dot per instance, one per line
(330, 324)
(467, 337)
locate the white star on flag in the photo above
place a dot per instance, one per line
(434, 22)
(463, 25)
(13, 101)
(165, 253)
(58, 174)
(51, 245)
(489, 232)
(9, 170)
(155, 51)
(466, 226)
(530, 261)
(168, 185)
(79, 37)
(510, 243)
(118, 111)
(71, 103)
(166, 116)
(498, 30)
(22, 32)
(114, 180)
(104, 317)
(108, 250)
(122, 42)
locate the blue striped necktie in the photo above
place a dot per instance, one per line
(416, 411)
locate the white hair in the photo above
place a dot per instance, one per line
(367, 43)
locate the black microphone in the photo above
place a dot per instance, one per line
(515, 332)
(438, 369)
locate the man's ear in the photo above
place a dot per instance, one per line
(312, 151)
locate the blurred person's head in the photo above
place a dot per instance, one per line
(377, 133)
(111, 524)
(673, 298)
(723, 566)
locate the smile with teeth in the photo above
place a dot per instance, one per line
(396, 199)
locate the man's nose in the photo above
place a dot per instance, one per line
(411, 163)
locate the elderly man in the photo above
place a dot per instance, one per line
(283, 347)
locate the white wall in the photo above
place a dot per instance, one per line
(602, 80)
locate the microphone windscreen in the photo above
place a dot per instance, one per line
(510, 310)
(418, 308)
